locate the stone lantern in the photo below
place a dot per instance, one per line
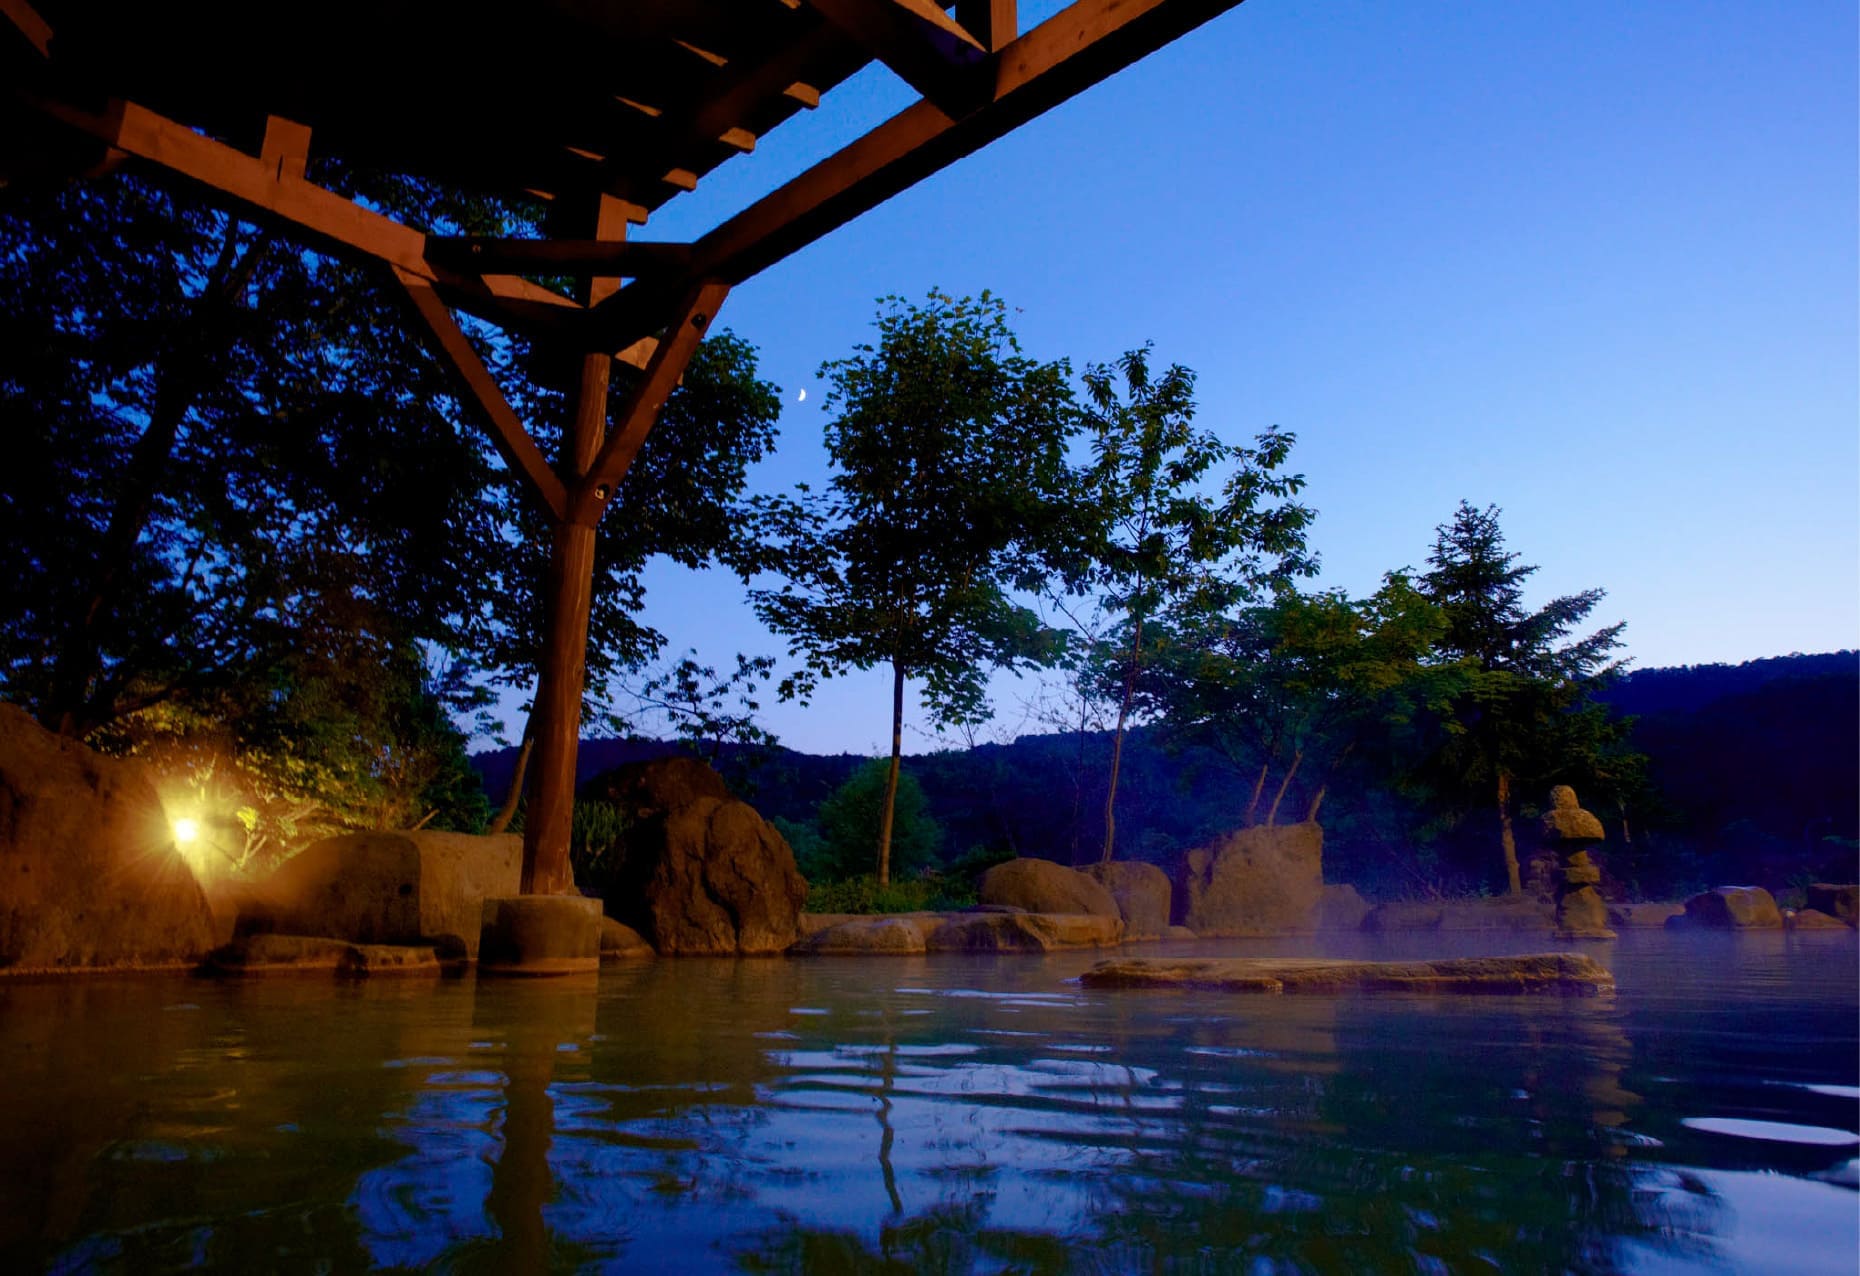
(1570, 831)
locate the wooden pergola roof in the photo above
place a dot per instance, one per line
(607, 109)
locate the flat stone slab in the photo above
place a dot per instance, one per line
(316, 954)
(1561, 973)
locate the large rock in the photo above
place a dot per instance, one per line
(1023, 932)
(388, 888)
(1257, 881)
(1732, 908)
(1041, 886)
(1142, 894)
(862, 936)
(703, 873)
(1569, 973)
(1645, 916)
(1341, 908)
(1812, 919)
(619, 941)
(1838, 901)
(308, 954)
(89, 873)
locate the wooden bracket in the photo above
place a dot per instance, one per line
(513, 442)
(641, 409)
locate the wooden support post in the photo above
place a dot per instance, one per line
(568, 597)
(568, 594)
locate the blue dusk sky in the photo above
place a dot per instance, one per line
(1594, 263)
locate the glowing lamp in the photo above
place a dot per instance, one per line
(186, 831)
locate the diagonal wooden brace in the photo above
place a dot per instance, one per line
(513, 442)
(635, 418)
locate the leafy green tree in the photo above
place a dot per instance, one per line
(682, 500)
(1304, 684)
(224, 448)
(949, 486)
(1163, 544)
(210, 431)
(1525, 712)
(853, 814)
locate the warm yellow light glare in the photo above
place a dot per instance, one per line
(186, 831)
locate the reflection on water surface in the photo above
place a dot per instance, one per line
(940, 1114)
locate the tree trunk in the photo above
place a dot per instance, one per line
(1259, 789)
(1317, 799)
(514, 795)
(891, 776)
(1272, 812)
(1506, 841)
(1117, 742)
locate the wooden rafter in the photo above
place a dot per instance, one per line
(1064, 55)
(513, 442)
(268, 187)
(927, 48)
(487, 255)
(604, 111)
(692, 318)
(32, 27)
(735, 92)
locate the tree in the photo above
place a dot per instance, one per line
(211, 431)
(852, 815)
(1306, 683)
(948, 449)
(1521, 714)
(1163, 544)
(222, 445)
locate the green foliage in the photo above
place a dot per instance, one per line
(863, 894)
(1307, 682)
(811, 856)
(708, 710)
(1527, 713)
(596, 842)
(347, 737)
(850, 819)
(237, 499)
(680, 500)
(949, 484)
(1157, 542)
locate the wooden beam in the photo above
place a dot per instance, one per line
(491, 255)
(925, 46)
(25, 19)
(1078, 47)
(286, 149)
(637, 414)
(513, 442)
(266, 188)
(994, 23)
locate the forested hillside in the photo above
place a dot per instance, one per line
(1754, 775)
